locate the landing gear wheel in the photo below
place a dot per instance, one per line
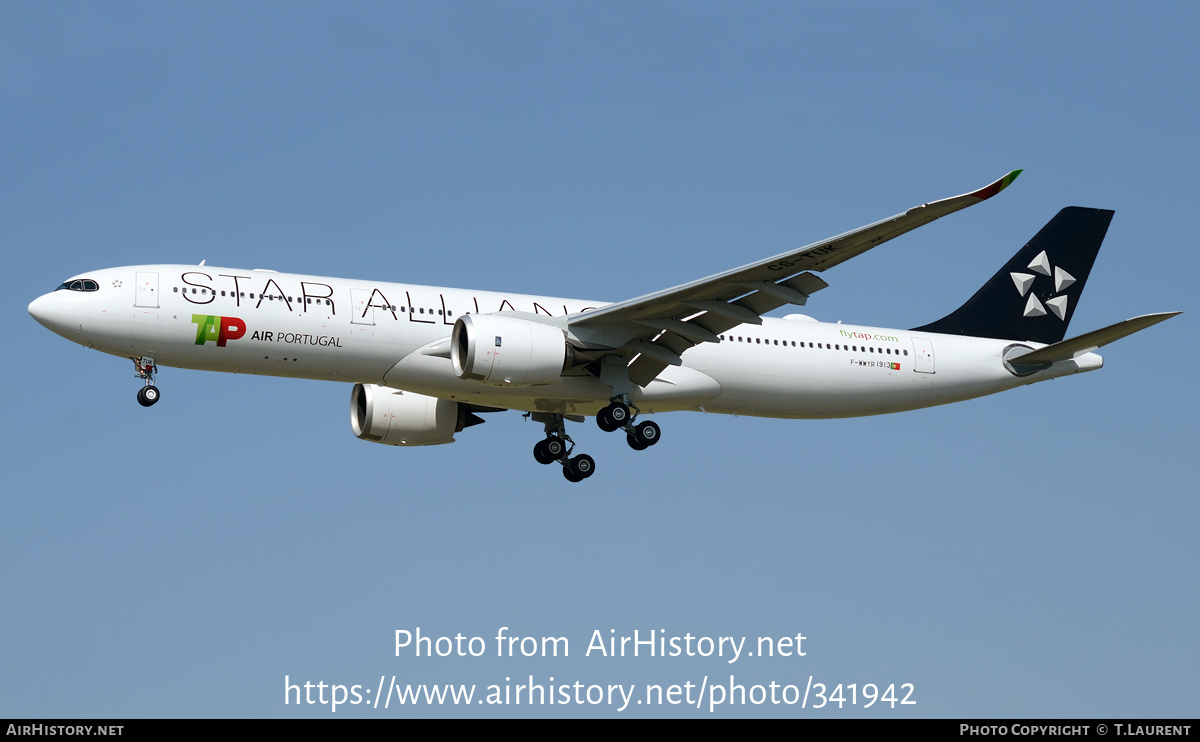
(555, 446)
(618, 413)
(605, 421)
(635, 444)
(570, 475)
(147, 395)
(647, 433)
(541, 453)
(582, 465)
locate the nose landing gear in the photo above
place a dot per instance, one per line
(146, 369)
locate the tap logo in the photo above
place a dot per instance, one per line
(218, 329)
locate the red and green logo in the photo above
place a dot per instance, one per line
(894, 366)
(218, 329)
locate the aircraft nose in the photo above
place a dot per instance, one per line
(40, 309)
(47, 311)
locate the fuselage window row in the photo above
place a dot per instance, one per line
(820, 346)
(439, 312)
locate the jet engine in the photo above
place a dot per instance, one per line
(508, 351)
(385, 415)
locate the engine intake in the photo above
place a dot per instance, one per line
(384, 415)
(508, 351)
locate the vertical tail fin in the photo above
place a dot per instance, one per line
(1034, 295)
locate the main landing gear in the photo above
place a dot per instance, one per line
(620, 415)
(558, 446)
(146, 369)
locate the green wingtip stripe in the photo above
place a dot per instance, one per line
(1008, 179)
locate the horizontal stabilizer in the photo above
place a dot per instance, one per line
(1086, 343)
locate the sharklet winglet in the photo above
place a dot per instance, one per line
(993, 188)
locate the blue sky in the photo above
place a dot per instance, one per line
(1029, 554)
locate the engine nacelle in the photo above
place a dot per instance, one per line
(385, 415)
(508, 351)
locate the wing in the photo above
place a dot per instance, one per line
(657, 328)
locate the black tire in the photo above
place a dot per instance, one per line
(647, 433)
(147, 395)
(542, 454)
(618, 413)
(570, 475)
(583, 465)
(605, 421)
(634, 443)
(555, 446)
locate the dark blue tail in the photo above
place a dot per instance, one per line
(1034, 295)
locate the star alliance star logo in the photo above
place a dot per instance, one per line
(1056, 303)
(116, 284)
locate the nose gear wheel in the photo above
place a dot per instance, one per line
(145, 369)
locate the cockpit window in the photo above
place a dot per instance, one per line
(80, 284)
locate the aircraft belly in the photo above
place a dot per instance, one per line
(678, 388)
(829, 384)
(576, 395)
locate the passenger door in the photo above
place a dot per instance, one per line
(147, 290)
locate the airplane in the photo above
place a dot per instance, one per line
(426, 361)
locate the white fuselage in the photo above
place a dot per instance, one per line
(280, 324)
